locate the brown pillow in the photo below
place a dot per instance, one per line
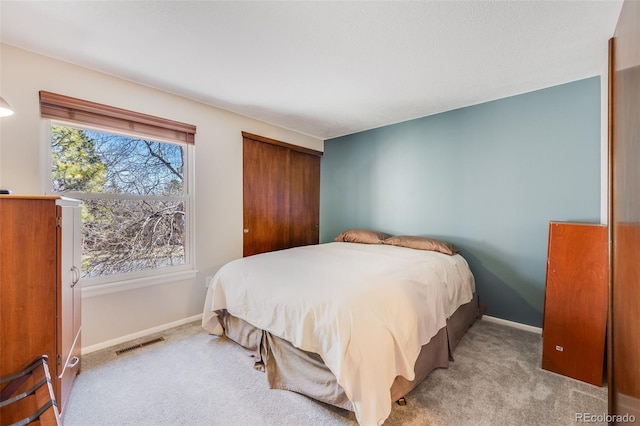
(422, 243)
(364, 236)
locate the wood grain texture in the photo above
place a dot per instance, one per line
(297, 148)
(624, 214)
(281, 195)
(304, 199)
(27, 277)
(56, 106)
(38, 378)
(37, 302)
(265, 197)
(575, 311)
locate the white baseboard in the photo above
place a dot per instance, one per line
(128, 337)
(513, 324)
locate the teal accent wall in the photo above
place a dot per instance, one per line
(488, 178)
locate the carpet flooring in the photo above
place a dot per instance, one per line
(192, 378)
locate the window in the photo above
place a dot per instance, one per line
(135, 189)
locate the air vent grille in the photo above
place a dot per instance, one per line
(139, 345)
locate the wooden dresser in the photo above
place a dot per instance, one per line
(576, 300)
(40, 255)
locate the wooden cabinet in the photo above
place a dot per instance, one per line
(576, 299)
(40, 255)
(281, 195)
(624, 214)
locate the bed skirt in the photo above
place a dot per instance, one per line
(293, 369)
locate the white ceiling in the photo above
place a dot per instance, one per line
(325, 69)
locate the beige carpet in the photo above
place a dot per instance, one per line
(192, 378)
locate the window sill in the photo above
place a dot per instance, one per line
(131, 284)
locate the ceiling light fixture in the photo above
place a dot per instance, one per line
(5, 109)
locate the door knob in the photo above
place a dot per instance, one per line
(245, 230)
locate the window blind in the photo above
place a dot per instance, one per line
(60, 107)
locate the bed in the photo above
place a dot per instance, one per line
(350, 324)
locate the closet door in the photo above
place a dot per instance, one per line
(265, 197)
(304, 199)
(281, 198)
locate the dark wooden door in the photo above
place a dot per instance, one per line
(624, 215)
(281, 198)
(265, 197)
(305, 198)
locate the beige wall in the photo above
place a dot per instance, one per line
(218, 179)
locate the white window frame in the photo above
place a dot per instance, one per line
(127, 281)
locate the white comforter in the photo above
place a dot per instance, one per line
(365, 309)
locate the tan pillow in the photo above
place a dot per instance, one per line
(364, 236)
(422, 243)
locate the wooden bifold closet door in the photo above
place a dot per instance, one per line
(281, 195)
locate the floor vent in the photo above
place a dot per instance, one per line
(139, 345)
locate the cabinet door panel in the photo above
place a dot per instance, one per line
(76, 266)
(69, 297)
(66, 333)
(69, 373)
(575, 311)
